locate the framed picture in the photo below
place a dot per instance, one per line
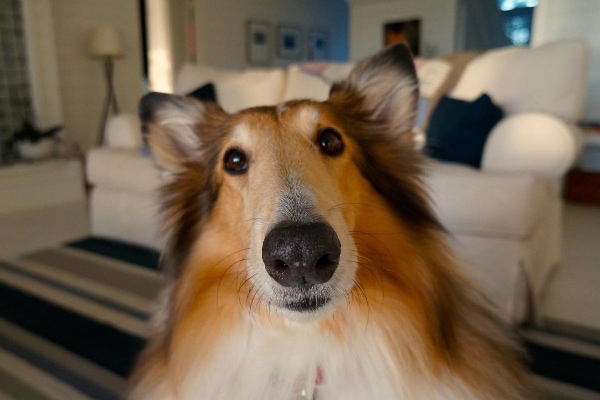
(289, 43)
(408, 32)
(258, 43)
(318, 45)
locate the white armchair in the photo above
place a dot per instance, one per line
(507, 217)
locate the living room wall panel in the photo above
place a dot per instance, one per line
(82, 82)
(221, 24)
(367, 17)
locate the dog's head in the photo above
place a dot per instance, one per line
(284, 184)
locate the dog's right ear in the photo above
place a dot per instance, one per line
(385, 89)
(173, 127)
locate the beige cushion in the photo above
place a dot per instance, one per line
(335, 72)
(236, 90)
(550, 78)
(192, 76)
(470, 201)
(432, 75)
(303, 85)
(313, 82)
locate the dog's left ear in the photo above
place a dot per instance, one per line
(385, 87)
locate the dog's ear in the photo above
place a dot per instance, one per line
(173, 126)
(385, 88)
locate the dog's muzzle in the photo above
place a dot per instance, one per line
(301, 255)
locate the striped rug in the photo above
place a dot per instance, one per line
(74, 318)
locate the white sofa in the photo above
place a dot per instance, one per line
(505, 219)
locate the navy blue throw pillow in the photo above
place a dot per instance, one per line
(458, 129)
(205, 93)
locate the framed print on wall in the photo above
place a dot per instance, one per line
(289, 42)
(408, 32)
(318, 45)
(258, 43)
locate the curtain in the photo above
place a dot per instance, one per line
(15, 94)
(481, 26)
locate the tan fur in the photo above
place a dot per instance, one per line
(408, 291)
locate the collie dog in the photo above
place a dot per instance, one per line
(304, 260)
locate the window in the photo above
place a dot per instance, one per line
(518, 18)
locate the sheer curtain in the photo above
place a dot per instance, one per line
(15, 94)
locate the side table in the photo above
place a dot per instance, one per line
(583, 182)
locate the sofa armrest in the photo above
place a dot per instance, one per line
(123, 131)
(532, 142)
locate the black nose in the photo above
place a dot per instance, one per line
(301, 254)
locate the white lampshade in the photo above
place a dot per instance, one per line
(105, 42)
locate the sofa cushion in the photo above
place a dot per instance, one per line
(236, 90)
(432, 74)
(474, 202)
(304, 85)
(124, 169)
(550, 78)
(335, 72)
(312, 80)
(458, 129)
(437, 77)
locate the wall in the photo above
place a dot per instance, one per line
(82, 82)
(555, 19)
(367, 17)
(221, 24)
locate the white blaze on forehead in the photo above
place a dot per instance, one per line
(240, 132)
(306, 118)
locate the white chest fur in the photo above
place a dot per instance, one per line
(259, 364)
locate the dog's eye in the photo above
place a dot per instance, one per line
(330, 142)
(235, 161)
